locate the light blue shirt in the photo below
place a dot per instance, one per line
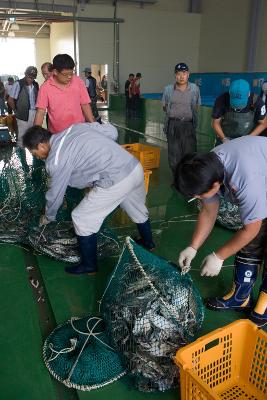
(245, 176)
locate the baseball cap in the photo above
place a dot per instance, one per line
(31, 72)
(87, 69)
(181, 67)
(239, 92)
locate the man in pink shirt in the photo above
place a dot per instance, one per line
(64, 96)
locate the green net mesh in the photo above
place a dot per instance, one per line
(150, 310)
(23, 183)
(78, 354)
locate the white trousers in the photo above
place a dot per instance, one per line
(23, 126)
(96, 205)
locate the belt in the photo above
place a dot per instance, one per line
(180, 119)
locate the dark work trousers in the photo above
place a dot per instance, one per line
(128, 103)
(181, 138)
(95, 109)
(136, 105)
(258, 246)
(258, 249)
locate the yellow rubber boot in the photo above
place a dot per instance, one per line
(259, 314)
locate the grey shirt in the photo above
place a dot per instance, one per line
(245, 176)
(180, 106)
(84, 155)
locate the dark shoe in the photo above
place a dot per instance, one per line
(259, 314)
(88, 249)
(79, 270)
(240, 297)
(146, 239)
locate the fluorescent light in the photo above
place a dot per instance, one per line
(14, 27)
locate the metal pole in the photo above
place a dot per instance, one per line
(74, 34)
(253, 28)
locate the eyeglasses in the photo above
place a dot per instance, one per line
(66, 74)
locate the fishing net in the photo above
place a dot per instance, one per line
(58, 240)
(150, 310)
(78, 354)
(228, 215)
(23, 184)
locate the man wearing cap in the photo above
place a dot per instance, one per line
(22, 99)
(64, 96)
(238, 113)
(180, 103)
(91, 86)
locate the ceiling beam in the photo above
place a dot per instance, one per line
(51, 18)
(21, 5)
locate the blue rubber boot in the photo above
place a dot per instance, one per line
(240, 297)
(259, 314)
(146, 239)
(88, 249)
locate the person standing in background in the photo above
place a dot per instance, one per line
(8, 89)
(263, 97)
(2, 98)
(64, 96)
(127, 93)
(22, 100)
(91, 86)
(180, 103)
(134, 93)
(46, 69)
(104, 85)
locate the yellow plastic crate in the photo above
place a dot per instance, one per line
(146, 177)
(228, 363)
(149, 156)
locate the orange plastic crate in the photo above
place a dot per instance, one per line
(229, 363)
(149, 156)
(146, 177)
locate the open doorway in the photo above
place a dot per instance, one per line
(17, 55)
(100, 73)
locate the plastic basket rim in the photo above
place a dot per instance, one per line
(210, 336)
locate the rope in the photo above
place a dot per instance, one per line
(89, 334)
(168, 307)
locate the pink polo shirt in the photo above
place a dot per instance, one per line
(63, 105)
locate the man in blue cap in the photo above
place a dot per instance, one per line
(238, 113)
(180, 103)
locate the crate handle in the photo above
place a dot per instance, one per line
(212, 344)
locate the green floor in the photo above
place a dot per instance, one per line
(25, 295)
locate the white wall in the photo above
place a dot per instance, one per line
(151, 42)
(42, 53)
(61, 39)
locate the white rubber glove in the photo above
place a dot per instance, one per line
(43, 221)
(211, 265)
(185, 258)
